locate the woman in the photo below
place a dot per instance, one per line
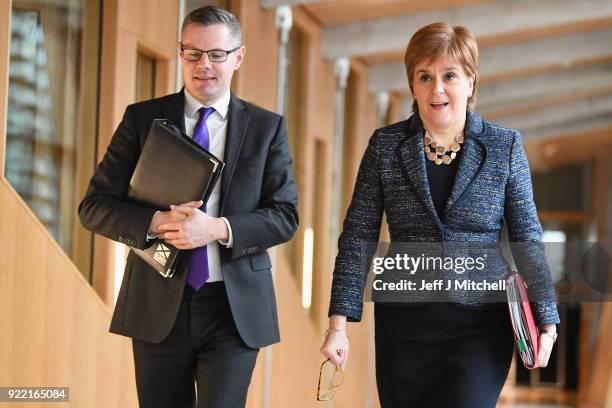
(444, 354)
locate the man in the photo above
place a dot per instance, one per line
(206, 323)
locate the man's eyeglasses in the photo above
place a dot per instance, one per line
(330, 378)
(193, 54)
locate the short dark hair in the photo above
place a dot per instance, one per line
(210, 15)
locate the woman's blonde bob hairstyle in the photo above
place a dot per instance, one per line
(441, 40)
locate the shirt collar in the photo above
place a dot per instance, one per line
(192, 105)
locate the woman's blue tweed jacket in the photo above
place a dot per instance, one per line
(492, 183)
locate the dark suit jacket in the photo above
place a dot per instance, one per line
(258, 198)
(492, 184)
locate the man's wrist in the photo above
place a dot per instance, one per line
(153, 225)
(223, 230)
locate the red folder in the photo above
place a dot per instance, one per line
(523, 323)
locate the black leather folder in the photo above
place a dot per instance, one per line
(172, 169)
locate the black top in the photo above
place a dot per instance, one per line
(441, 179)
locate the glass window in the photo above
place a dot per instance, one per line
(52, 112)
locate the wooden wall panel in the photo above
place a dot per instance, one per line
(395, 113)
(596, 387)
(360, 124)
(315, 168)
(569, 148)
(296, 360)
(153, 22)
(123, 33)
(598, 391)
(255, 81)
(54, 327)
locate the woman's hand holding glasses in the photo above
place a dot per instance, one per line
(336, 345)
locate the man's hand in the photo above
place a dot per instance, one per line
(195, 230)
(164, 217)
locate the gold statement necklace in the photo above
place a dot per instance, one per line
(442, 154)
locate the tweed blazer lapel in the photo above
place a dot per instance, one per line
(412, 152)
(471, 161)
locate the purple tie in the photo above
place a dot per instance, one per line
(198, 268)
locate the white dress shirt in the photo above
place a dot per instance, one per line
(217, 130)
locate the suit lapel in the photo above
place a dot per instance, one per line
(470, 162)
(174, 110)
(413, 161)
(238, 121)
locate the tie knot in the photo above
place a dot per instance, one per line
(205, 113)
